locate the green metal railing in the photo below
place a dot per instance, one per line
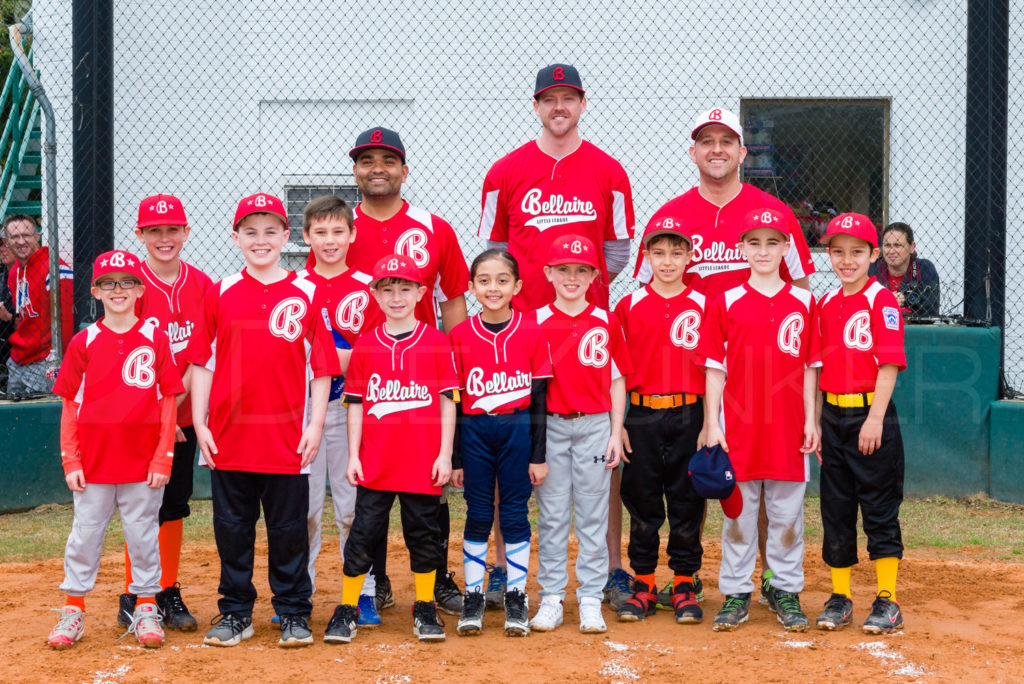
(21, 109)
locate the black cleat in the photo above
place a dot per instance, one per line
(642, 603)
(382, 595)
(126, 609)
(786, 605)
(837, 614)
(886, 616)
(173, 610)
(734, 612)
(426, 623)
(517, 613)
(471, 622)
(447, 594)
(342, 627)
(684, 603)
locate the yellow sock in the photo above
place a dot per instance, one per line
(425, 585)
(841, 581)
(886, 569)
(350, 588)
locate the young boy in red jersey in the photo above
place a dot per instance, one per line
(761, 357)
(348, 305)
(861, 447)
(662, 323)
(586, 400)
(261, 338)
(401, 390)
(119, 384)
(174, 296)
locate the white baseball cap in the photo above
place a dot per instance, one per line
(719, 116)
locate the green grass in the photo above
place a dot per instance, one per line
(943, 527)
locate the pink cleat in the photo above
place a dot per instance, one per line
(69, 628)
(146, 625)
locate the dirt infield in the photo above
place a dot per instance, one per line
(962, 624)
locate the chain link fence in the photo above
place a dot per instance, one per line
(854, 106)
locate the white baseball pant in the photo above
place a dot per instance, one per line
(139, 506)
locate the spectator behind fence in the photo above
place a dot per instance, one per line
(28, 283)
(914, 281)
(6, 311)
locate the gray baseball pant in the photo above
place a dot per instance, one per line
(140, 508)
(784, 502)
(576, 487)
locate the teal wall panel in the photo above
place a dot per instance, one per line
(1006, 451)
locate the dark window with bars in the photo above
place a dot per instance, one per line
(296, 197)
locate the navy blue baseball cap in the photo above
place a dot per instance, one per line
(711, 473)
(378, 137)
(554, 75)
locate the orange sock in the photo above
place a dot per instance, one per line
(170, 551)
(75, 601)
(145, 599)
(681, 578)
(649, 581)
(127, 570)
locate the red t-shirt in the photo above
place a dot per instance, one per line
(118, 380)
(263, 343)
(30, 290)
(859, 333)
(530, 199)
(497, 370)
(588, 351)
(400, 383)
(177, 306)
(764, 344)
(425, 238)
(662, 335)
(717, 264)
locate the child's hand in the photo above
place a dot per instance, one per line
(627, 448)
(157, 480)
(206, 445)
(354, 472)
(613, 454)
(817, 452)
(441, 472)
(76, 480)
(179, 436)
(309, 444)
(870, 436)
(812, 439)
(702, 437)
(456, 480)
(715, 436)
(538, 473)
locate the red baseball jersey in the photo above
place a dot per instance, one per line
(118, 380)
(263, 341)
(425, 238)
(764, 344)
(859, 333)
(662, 335)
(717, 264)
(588, 351)
(497, 370)
(177, 306)
(530, 199)
(400, 383)
(30, 290)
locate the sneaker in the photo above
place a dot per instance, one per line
(497, 584)
(549, 615)
(734, 612)
(275, 621)
(684, 603)
(69, 628)
(342, 627)
(591, 620)
(126, 609)
(886, 616)
(229, 630)
(517, 613)
(447, 594)
(618, 589)
(146, 625)
(426, 623)
(766, 589)
(382, 595)
(641, 604)
(837, 614)
(295, 631)
(368, 615)
(173, 610)
(471, 621)
(665, 595)
(786, 606)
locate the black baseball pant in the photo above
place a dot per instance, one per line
(370, 525)
(179, 488)
(850, 479)
(237, 496)
(656, 482)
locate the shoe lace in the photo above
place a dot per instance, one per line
(836, 602)
(766, 581)
(172, 599)
(622, 581)
(515, 603)
(473, 601)
(787, 602)
(497, 577)
(881, 603)
(426, 613)
(293, 621)
(138, 618)
(446, 587)
(66, 619)
(733, 603)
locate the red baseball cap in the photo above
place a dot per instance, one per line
(116, 261)
(572, 249)
(857, 225)
(257, 204)
(765, 218)
(670, 224)
(396, 266)
(722, 117)
(161, 210)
